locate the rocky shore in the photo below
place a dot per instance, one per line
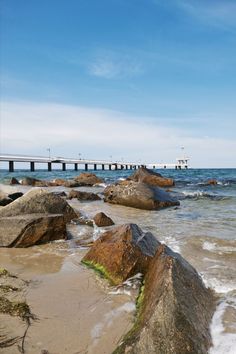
(174, 308)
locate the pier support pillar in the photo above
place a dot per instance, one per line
(130, 167)
(116, 167)
(86, 167)
(49, 166)
(63, 166)
(126, 167)
(135, 167)
(103, 167)
(76, 167)
(95, 167)
(32, 166)
(109, 167)
(11, 166)
(154, 167)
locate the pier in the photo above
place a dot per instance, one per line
(50, 162)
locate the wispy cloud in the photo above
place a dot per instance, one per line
(111, 65)
(29, 127)
(218, 12)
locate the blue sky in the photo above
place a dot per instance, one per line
(148, 75)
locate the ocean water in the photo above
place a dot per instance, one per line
(202, 229)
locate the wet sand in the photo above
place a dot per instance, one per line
(75, 312)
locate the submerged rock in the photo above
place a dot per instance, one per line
(211, 182)
(122, 252)
(88, 179)
(39, 201)
(145, 175)
(174, 310)
(31, 229)
(138, 195)
(83, 195)
(102, 219)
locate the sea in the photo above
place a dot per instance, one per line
(202, 229)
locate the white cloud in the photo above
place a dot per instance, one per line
(111, 65)
(29, 127)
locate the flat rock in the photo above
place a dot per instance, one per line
(39, 201)
(175, 310)
(150, 177)
(138, 195)
(88, 179)
(102, 220)
(122, 252)
(28, 230)
(84, 196)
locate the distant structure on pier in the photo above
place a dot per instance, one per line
(181, 163)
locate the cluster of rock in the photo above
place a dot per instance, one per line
(84, 179)
(141, 190)
(174, 306)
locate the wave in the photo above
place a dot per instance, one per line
(200, 195)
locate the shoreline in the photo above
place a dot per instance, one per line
(211, 257)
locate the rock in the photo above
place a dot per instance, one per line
(122, 252)
(29, 181)
(15, 195)
(102, 219)
(32, 229)
(88, 179)
(61, 194)
(39, 201)
(5, 201)
(138, 195)
(212, 182)
(64, 183)
(175, 310)
(150, 177)
(13, 180)
(83, 195)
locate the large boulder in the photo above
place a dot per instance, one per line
(84, 196)
(39, 201)
(174, 312)
(138, 195)
(88, 179)
(122, 252)
(102, 220)
(150, 177)
(31, 229)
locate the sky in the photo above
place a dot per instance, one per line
(131, 79)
